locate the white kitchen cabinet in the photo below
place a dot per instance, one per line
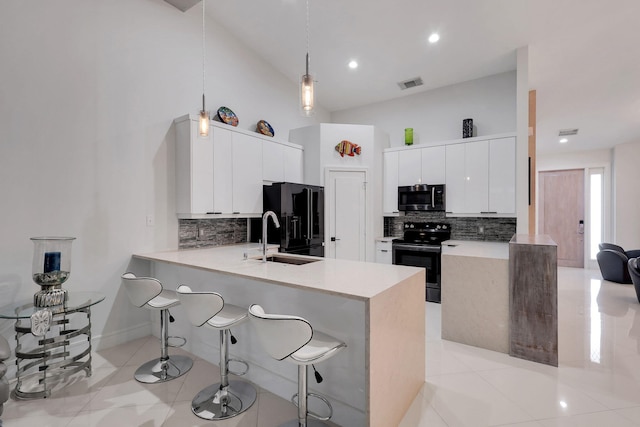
(281, 162)
(194, 169)
(502, 175)
(247, 174)
(433, 165)
(293, 164)
(221, 175)
(480, 177)
(222, 171)
(384, 253)
(272, 162)
(476, 166)
(390, 184)
(409, 167)
(455, 179)
(467, 184)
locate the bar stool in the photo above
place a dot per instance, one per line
(293, 339)
(148, 292)
(225, 399)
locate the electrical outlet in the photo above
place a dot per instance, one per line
(150, 221)
(480, 229)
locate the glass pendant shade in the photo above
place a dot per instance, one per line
(306, 94)
(203, 124)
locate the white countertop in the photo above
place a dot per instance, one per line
(351, 279)
(473, 248)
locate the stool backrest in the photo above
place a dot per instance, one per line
(141, 290)
(281, 335)
(200, 306)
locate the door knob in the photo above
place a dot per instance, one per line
(333, 239)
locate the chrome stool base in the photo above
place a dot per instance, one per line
(212, 404)
(158, 371)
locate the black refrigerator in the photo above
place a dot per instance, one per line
(300, 209)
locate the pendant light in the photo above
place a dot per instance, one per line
(306, 84)
(203, 125)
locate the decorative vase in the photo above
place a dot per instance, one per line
(408, 136)
(467, 128)
(51, 268)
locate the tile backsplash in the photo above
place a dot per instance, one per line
(462, 228)
(201, 233)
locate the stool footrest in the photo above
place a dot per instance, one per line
(294, 400)
(238, 373)
(182, 339)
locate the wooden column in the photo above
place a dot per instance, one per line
(533, 298)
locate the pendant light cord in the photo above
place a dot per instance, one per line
(203, 51)
(307, 36)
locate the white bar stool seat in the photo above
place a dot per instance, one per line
(148, 292)
(293, 338)
(225, 399)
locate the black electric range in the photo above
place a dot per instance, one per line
(421, 246)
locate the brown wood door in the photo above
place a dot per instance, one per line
(561, 213)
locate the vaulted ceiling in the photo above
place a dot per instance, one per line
(584, 61)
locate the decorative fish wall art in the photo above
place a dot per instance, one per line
(348, 148)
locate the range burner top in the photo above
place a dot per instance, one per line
(427, 233)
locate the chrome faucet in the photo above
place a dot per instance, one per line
(265, 220)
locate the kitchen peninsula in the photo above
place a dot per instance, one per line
(377, 309)
(475, 293)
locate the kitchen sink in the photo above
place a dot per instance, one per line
(290, 260)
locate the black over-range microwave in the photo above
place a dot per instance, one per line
(421, 197)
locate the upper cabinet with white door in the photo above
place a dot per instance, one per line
(481, 177)
(390, 184)
(281, 161)
(222, 175)
(421, 165)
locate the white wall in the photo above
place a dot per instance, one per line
(626, 195)
(88, 93)
(436, 115)
(320, 154)
(522, 141)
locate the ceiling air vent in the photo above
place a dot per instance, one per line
(568, 132)
(407, 84)
(183, 5)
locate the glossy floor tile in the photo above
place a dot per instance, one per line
(597, 382)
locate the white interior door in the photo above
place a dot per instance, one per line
(346, 196)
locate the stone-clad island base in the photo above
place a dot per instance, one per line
(377, 309)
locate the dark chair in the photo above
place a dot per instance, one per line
(612, 260)
(634, 272)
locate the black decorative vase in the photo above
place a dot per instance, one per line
(467, 128)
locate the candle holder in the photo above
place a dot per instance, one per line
(51, 268)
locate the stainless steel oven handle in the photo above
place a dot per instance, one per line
(418, 248)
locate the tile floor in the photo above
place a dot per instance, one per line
(596, 384)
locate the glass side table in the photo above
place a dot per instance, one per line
(52, 343)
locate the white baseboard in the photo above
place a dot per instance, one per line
(100, 342)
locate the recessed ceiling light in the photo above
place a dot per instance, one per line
(434, 38)
(353, 64)
(563, 140)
